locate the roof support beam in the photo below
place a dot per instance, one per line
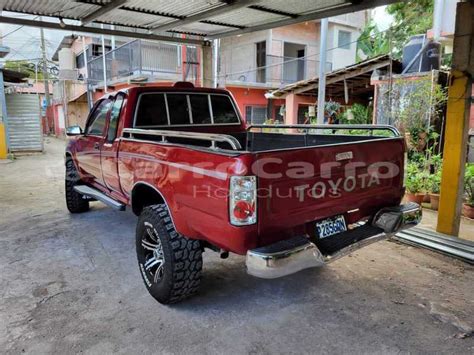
(205, 15)
(114, 4)
(336, 78)
(95, 30)
(317, 15)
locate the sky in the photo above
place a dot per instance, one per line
(25, 42)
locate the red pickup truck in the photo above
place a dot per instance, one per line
(289, 197)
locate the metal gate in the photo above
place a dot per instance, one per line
(24, 123)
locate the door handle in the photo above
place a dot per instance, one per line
(96, 146)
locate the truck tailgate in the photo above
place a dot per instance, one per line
(300, 186)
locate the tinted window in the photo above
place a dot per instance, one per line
(98, 119)
(223, 110)
(114, 117)
(178, 108)
(200, 109)
(151, 110)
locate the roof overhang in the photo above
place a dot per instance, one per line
(356, 75)
(170, 20)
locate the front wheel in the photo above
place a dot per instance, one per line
(170, 263)
(75, 202)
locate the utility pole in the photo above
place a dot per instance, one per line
(322, 70)
(45, 67)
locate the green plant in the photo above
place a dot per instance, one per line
(434, 182)
(356, 114)
(469, 184)
(416, 180)
(372, 42)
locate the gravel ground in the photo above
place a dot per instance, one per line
(70, 284)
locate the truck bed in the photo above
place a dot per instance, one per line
(265, 141)
(255, 142)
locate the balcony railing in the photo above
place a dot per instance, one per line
(277, 72)
(162, 61)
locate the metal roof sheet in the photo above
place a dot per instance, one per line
(209, 18)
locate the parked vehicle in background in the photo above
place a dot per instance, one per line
(287, 197)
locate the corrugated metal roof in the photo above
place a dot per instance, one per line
(208, 18)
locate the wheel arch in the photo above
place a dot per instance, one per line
(143, 194)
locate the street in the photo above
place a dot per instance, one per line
(70, 284)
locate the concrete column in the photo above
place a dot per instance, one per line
(457, 122)
(322, 70)
(206, 63)
(291, 109)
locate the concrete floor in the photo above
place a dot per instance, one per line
(70, 284)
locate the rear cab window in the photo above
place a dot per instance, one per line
(184, 109)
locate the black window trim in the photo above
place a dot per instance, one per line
(109, 116)
(89, 122)
(187, 93)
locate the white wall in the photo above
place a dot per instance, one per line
(341, 57)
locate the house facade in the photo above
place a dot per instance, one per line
(249, 66)
(252, 64)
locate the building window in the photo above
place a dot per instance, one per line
(261, 61)
(97, 50)
(344, 39)
(255, 114)
(80, 61)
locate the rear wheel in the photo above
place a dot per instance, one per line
(170, 263)
(75, 202)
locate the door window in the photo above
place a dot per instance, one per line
(98, 119)
(114, 117)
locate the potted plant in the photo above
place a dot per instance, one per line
(468, 206)
(434, 188)
(434, 181)
(415, 183)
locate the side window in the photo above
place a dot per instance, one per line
(151, 111)
(223, 110)
(178, 109)
(97, 121)
(200, 109)
(114, 117)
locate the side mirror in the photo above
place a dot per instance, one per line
(74, 131)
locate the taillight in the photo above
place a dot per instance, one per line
(243, 200)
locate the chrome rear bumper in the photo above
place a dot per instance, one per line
(289, 256)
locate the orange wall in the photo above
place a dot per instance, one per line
(251, 97)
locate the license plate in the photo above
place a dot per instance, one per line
(331, 226)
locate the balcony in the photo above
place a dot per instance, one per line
(142, 60)
(278, 72)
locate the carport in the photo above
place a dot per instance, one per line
(332, 308)
(202, 23)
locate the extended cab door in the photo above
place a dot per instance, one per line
(110, 148)
(90, 143)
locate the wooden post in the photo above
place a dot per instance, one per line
(457, 122)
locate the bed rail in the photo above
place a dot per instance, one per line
(211, 137)
(368, 127)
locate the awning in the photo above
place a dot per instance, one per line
(357, 76)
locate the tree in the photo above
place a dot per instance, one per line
(410, 18)
(372, 42)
